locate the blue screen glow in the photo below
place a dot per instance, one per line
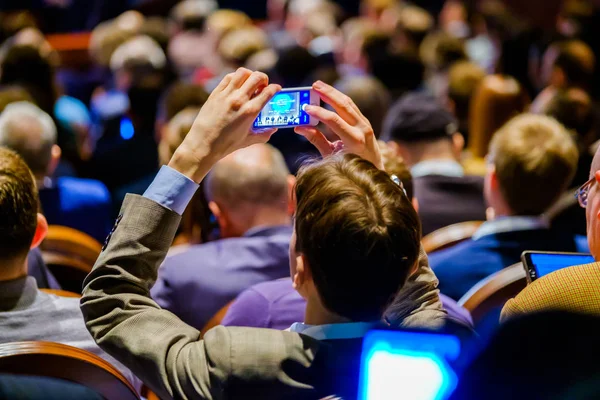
(545, 264)
(284, 109)
(408, 366)
(127, 130)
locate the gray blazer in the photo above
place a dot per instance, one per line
(169, 355)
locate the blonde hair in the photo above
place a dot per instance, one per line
(535, 160)
(175, 131)
(221, 22)
(239, 45)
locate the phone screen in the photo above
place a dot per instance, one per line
(285, 109)
(545, 264)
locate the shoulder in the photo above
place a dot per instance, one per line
(84, 188)
(571, 289)
(456, 253)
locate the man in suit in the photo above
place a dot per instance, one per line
(572, 289)
(532, 160)
(249, 193)
(349, 214)
(26, 313)
(425, 135)
(82, 204)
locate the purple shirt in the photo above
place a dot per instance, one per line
(198, 282)
(277, 305)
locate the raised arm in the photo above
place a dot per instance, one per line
(160, 349)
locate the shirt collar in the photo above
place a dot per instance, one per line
(351, 330)
(511, 224)
(268, 231)
(437, 167)
(17, 294)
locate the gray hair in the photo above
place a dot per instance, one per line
(256, 175)
(30, 132)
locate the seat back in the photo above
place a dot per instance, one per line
(69, 271)
(216, 319)
(494, 291)
(449, 236)
(72, 243)
(60, 361)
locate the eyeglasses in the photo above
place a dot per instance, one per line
(582, 193)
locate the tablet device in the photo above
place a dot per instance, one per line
(538, 264)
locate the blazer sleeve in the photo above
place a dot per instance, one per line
(164, 352)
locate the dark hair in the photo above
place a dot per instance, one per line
(23, 65)
(179, 96)
(576, 60)
(18, 206)
(359, 233)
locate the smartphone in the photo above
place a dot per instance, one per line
(286, 109)
(538, 264)
(407, 365)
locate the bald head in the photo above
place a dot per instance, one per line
(256, 176)
(30, 132)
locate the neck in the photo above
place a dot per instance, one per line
(317, 314)
(419, 152)
(11, 270)
(263, 217)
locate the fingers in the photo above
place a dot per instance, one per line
(224, 83)
(261, 136)
(341, 103)
(316, 137)
(256, 81)
(239, 77)
(257, 103)
(333, 121)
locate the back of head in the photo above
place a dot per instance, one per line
(439, 50)
(535, 159)
(137, 52)
(105, 39)
(463, 79)
(358, 232)
(179, 96)
(12, 94)
(415, 23)
(18, 206)
(418, 118)
(295, 66)
(573, 109)
(223, 21)
(577, 62)
(176, 130)
(497, 99)
(371, 97)
(30, 132)
(24, 65)
(251, 178)
(239, 45)
(191, 14)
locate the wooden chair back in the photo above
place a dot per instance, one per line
(449, 236)
(494, 291)
(69, 271)
(216, 319)
(72, 243)
(497, 99)
(59, 361)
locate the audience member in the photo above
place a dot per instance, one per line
(438, 51)
(176, 98)
(344, 201)
(571, 289)
(249, 195)
(497, 99)
(528, 153)
(370, 96)
(565, 64)
(425, 135)
(414, 24)
(277, 305)
(27, 314)
(464, 77)
(82, 204)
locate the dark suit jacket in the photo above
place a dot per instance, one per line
(169, 355)
(460, 267)
(447, 200)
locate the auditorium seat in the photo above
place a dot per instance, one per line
(69, 271)
(493, 292)
(55, 360)
(73, 243)
(449, 236)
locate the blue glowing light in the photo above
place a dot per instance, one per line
(126, 129)
(408, 366)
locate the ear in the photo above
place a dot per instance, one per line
(219, 215)
(41, 230)
(302, 276)
(458, 144)
(291, 182)
(493, 177)
(55, 155)
(415, 204)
